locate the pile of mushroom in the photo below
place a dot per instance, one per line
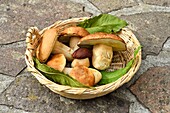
(87, 53)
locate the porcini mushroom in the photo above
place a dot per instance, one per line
(74, 31)
(49, 44)
(112, 40)
(57, 62)
(46, 46)
(80, 69)
(83, 75)
(74, 34)
(82, 53)
(102, 56)
(78, 62)
(62, 48)
(103, 46)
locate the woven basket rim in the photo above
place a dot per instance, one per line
(57, 88)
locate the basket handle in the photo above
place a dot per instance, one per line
(32, 38)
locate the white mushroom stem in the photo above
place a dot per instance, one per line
(67, 70)
(97, 75)
(78, 62)
(102, 56)
(63, 49)
(73, 43)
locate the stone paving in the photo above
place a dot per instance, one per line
(147, 92)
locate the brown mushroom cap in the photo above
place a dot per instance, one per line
(83, 74)
(47, 43)
(57, 62)
(112, 40)
(75, 31)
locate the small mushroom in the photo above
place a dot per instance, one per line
(80, 69)
(83, 75)
(78, 62)
(57, 62)
(103, 46)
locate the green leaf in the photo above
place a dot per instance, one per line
(108, 77)
(103, 23)
(56, 76)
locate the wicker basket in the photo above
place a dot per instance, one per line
(119, 60)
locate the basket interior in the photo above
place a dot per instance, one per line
(120, 58)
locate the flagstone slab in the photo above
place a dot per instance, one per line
(158, 2)
(17, 16)
(110, 5)
(152, 89)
